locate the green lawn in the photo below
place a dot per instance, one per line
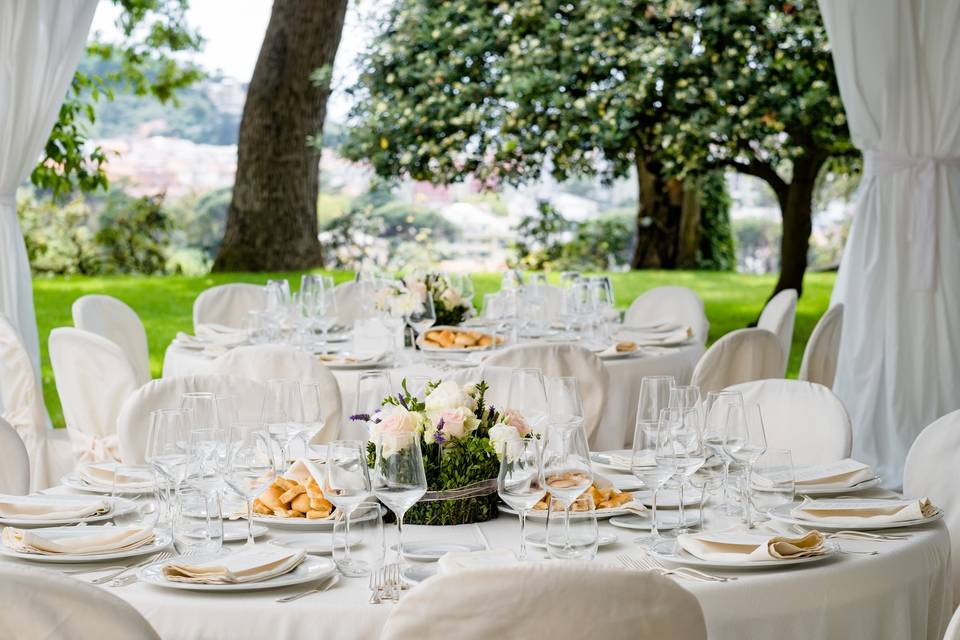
(165, 304)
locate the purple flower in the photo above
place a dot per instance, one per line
(438, 435)
(361, 417)
(403, 401)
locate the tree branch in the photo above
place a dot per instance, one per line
(760, 170)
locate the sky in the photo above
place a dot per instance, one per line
(234, 29)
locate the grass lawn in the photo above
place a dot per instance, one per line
(165, 304)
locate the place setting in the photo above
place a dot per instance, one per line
(47, 510)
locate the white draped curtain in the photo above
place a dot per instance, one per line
(898, 65)
(41, 42)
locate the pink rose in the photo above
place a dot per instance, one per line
(514, 418)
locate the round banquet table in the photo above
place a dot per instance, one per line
(904, 592)
(619, 414)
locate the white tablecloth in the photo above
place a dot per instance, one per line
(616, 426)
(903, 593)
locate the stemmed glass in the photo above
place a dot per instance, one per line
(282, 412)
(311, 422)
(680, 447)
(644, 466)
(167, 444)
(423, 318)
(528, 395)
(203, 410)
(567, 471)
(745, 440)
(520, 482)
(654, 396)
(347, 485)
(716, 407)
(511, 279)
(684, 397)
(399, 479)
(372, 388)
(324, 314)
(250, 466)
(563, 399)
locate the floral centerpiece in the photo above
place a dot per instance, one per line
(461, 440)
(451, 303)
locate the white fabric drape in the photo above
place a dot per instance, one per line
(896, 63)
(40, 45)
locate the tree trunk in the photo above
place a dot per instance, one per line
(796, 208)
(688, 240)
(272, 220)
(660, 215)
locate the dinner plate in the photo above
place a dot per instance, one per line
(613, 355)
(540, 515)
(429, 550)
(119, 507)
(681, 557)
(74, 480)
(417, 573)
(539, 539)
(832, 490)
(369, 363)
(160, 542)
(310, 570)
(319, 543)
(782, 513)
(669, 498)
(305, 524)
(638, 522)
(236, 530)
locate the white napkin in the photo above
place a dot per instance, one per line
(76, 540)
(51, 507)
(351, 358)
(867, 510)
(842, 474)
(623, 459)
(749, 546)
(102, 474)
(665, 337)
(253, 564)
(302, 470)
(455, 561)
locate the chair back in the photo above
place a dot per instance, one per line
(133, 423)
(777, 317)
(674, 305)
(823, 348)
(805, 417)
(352, 301)
(114, 320)
(228, 304)
(571, 601)
(15, 470)
(740, 356)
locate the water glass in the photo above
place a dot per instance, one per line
(573, 537)
(197, 523)
(773, 480)
(684, 397)
(359, 546)
(149, 511)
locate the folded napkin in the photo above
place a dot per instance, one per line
(623, 459)
(748, 546)
(253, 564)
(868, 510)
(845, 473)
(53, 507)
(102, 474)
(351, 358)
(213, 335)
(455, 561)
(668, 338)
(76, 540)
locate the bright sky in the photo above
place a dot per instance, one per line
(234, 29)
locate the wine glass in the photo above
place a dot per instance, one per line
(372, 388)
(206, 458)
(311, 423)
(168, 441)
(567, 471)
(250, 466)
(511, 279)
(424, 317)
(325, 314)
(347, 485)
(643, 465)
(563, 399)
(716, 407)
(146, 511)
(203, 409)
(358, 547)
(520, 481)
(282, 412)
(684, 397)
(745, 440)
(528, 395)
(399, 479)
(680, 446)
(654, 396)
(577, 540)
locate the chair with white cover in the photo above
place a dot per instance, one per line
(94, 378)
(823, 348)
(36, 603)
(561, 360)
(351, 301)
(21, 404)
(953, 629)
(805, 417)
(265, 362)
(673, 305)
(573, 601)
(930, 471)
(133, 422)
(740, 356)
(777, 317)
(15, 470)
(228, 304)
(116, 321)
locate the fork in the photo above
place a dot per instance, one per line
(394, 581)
(855, 535)
(116, 574)
(77, 572)
(320, 588)
(647, 563)
(378, 581)
(688, 570)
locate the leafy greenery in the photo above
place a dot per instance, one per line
(548, 241)
(134, 235)
(716, 252)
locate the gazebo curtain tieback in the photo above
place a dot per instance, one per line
(922, 233)
(88, 447)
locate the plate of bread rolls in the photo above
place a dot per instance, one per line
(446, 338)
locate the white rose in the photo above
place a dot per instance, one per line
(448, 395)
(451, 297)
(504, 437)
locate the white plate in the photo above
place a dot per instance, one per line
(669, 498)
(833, 490)
(304, 524)
(429, 348)
(319, 543)
(73, 480)
(160, 542)
(604, 355)
(120, 507)
(681, 557)
(539, 539)
(540, 515)
(638, 522)
(310, 570)
(417, 573)
(428, 550)
(782, 513)
(370, 363)
(236, 530)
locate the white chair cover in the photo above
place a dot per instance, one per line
(264, 362)
(116, 321)
(805, 417)
(562, 360)
(556, 600)
(930, 471)
(94, 378)
(36, 603)
(778, 317)
(15, 470)
(953, 629)
(740, 356)
(22, 403)
(823, 348)
(669, 304)
(351, 303)
(133, 423)
(228, 304)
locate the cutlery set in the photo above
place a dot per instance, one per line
(649, 563)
